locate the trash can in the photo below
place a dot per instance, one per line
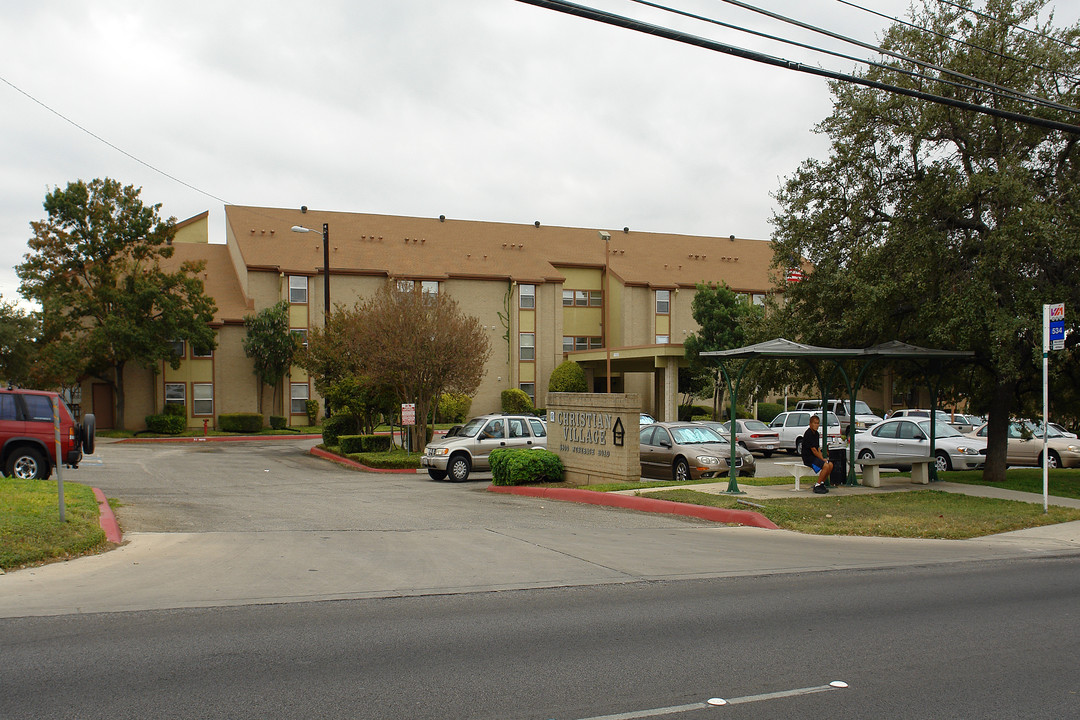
(838, 457)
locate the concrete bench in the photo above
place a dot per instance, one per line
(871, 469)
(797, 470)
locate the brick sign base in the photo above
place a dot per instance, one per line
(595, 436)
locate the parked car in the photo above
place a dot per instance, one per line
(689, 451)
(28, 435)
(1026, 446)
(469, 447)
(1064, 432)
(791, 426)
(753, 435)
(864, 416)
(907, 437)
(646, 419)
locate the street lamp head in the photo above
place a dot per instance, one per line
(605, 236)
(301, 229)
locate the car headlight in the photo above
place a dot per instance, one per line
(708, 460)
(1073, 448)
(965, 450)
(440, 451)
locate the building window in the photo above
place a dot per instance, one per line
(178, 348)
(596, 298)
(758, 298)
(567, 344)
(581, 298)
(175, 393)
(201, 353)
(202, 398)
(429, 288)
(299, 395)
(405, 286)
(527, 297)
(663, 302)
(567, 298)
(570, 344)
(662, 339)
(301, 336)
(595, 342)
(530, 390)
(297, 289)
(526, 346)
(581, 343)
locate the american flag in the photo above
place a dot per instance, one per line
(794, 275)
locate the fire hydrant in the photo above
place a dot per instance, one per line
(205, 423)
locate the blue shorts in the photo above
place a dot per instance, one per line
(816, 465)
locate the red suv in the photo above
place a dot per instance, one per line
(27, 438)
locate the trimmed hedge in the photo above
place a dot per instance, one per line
(767, 412)
(278, 422)
(240, 422)
(175, 409)
(165, 424)
(514, 400)
(453, 408)
(388, 461)
(337, 425)
(517, 466)
(351, 444)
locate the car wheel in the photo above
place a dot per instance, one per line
(942, 462)
(459, 468)
(27, 464)
(681, 473)
(798, 447)
(89, 427)
(867, 454)
(436, 474)
(1055, 461)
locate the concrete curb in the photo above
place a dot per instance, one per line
(632, 502)
(107, 519)
(320, 453)
(218, 438)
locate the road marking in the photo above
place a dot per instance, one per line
(719, 702)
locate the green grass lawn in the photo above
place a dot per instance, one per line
(917, 514)
(30, 527)
(1062, 483)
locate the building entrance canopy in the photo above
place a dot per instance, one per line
(931, 361)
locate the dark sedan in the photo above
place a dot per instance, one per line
(689, 451)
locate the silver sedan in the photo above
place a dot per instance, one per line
(905, 438)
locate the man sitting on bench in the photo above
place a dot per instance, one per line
(812, 457)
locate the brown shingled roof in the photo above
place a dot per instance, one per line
(410, 247)
(219, 278)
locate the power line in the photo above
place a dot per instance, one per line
(670, 34)
(896, 55)
(833, 53)
(975, 12)
(958, 41)
(111, 145)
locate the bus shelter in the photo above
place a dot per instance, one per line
(832, 366)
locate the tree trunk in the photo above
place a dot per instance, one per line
(118, 390)
(997, 432)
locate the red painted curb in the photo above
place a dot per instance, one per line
(318, 452)
(632, 502)
(107, 519)
(218, 438)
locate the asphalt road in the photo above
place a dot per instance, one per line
(974, 640)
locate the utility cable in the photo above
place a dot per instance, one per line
(670, 34)
(958, 41)
(833, 53)
(896, 55)
(1036, 33)
(111, 145)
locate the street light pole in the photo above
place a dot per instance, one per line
(326, 264)
(606, 237)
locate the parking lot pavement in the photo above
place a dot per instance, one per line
(242, 523)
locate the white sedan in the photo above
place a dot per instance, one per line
(904, 437)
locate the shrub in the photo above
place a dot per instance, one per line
(568, 377)
(514, 400)
(240, 422)
(517, 466)
(689, 412)
(311, 407)
(453, 408)
(278, 422)
(351, 444)
(165, 424)
(175, 409)
(767, 412)
(337, 425)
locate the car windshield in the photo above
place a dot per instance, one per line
(862, 408)
(941, 430)
(472, 427)
(695, 435)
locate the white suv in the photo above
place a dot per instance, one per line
(864, 416)
(469, 447)
(791, 426)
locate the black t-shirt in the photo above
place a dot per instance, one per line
(810, 440)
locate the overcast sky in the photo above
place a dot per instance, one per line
(475, 109)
